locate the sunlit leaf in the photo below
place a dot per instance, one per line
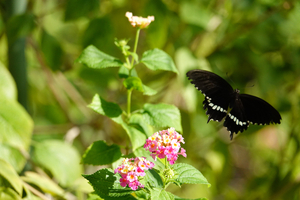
(162, 115)
(99, 153)
(94, 58)
(188, 174)
(13, 156)
(44, 183)
(8, 173)
(9, 194)
(161, 194)
(60, 158)
(15, 124)
(7, 84)
(157, 59)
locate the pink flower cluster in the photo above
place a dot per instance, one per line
(131, 169)
(165, 143)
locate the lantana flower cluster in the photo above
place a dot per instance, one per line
(165, 143)
(131, 169)
(137, 21)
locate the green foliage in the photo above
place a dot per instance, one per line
(188, 174)
(99, 153)
(52, 50)
(157, 59)
(94, 58)
(60, 159)
(162, 115)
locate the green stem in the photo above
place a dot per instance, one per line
(128, 102)
(135, 45)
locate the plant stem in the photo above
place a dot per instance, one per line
(128, 102)
(135, 45)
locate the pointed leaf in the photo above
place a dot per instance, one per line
(137, 138)
(162, 115)
(103, 107)
(8, 172)
(15, 131)
(13, 156)
(139, 122)
(161, 194)
(153, 178)
(94, 58)
(188, 174)
(148, 91)
(157, 59)
(9, 194)
(60, 158)
(99, 153)
(46, 184)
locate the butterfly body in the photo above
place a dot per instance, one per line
(221, 101)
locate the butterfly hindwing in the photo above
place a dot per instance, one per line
(236, 120)
(259, 111)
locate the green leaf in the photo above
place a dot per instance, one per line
(15, 131)
(52, 51)
(106, 184)
(103, 107)
(136, 137)
(9, 194)
(148, 91)
(157, 59)
(162, 115)
(99, 153)
(8, 88)
(187, 174)
(46, 184)
(133, 83)
(60, 158)
(138, 121)
(153, 178)
(161, 194)
(179, 198)
(13, 156)
(8, 172)
(80, 8)
(94, 58)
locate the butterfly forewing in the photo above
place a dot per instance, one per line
(216, 90)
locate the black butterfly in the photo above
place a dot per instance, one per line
(222, 101)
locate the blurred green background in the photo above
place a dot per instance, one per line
(254, 44)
